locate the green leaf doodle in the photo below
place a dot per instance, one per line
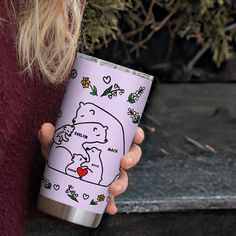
(107, 91)
(94, 91)
(93, 203)
(73, 197)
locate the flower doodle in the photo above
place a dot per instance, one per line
(100, 198)
(134, 97)
(134, 115)
(86, 83)
(46, 183)
(72, 193)
(110, 92)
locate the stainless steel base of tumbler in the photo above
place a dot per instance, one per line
(68, 213)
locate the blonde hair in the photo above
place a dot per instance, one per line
(47, 36)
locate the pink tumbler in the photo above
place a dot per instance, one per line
(99, 115)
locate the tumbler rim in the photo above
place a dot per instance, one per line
(115, 66)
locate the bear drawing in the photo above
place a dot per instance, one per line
(83, 134)
(90, 171)
(63, 133)
(86, 148)
(77, 161)
(86, 111)
(87, 133)
(94, 166)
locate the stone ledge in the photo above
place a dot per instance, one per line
(188, 178)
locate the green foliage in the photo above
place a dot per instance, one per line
(101, 21)
(205, 20)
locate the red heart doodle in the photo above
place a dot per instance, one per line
(82, 172)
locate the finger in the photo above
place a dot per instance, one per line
(45, 136)
(139, 136)
(111, 206)
(132, 157)
(119, 185)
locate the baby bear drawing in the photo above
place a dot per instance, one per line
(63, 134)
(90, 170)
(90, 147)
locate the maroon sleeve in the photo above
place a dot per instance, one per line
(25, 104)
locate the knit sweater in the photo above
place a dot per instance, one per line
(25, 104)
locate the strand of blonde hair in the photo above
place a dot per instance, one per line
(48, 32)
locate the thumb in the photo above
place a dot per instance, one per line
(45, 136)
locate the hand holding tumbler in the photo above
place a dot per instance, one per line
(99, 115)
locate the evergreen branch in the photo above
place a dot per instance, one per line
(210, 22)
(202, 51)
(198, 55)
(156, 27)
(230, 27)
